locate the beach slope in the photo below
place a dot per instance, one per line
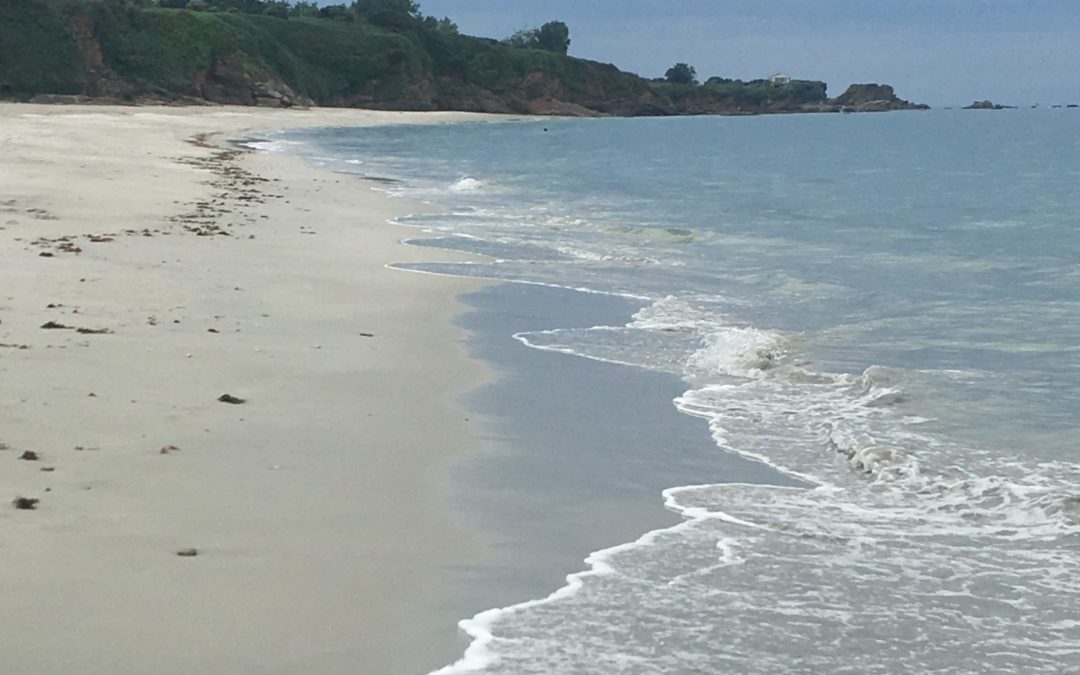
(147, 270)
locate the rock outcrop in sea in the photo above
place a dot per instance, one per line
(873, 98)
(987, 105)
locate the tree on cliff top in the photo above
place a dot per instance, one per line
(304, 8)
(397, 14)
(681, 73)
(553, 36)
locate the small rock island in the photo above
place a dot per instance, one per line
(987, 105)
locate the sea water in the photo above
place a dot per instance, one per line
(885, 308)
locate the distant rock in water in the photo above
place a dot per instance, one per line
(987, 105)
(873, 98)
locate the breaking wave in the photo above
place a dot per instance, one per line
(891, 543)
(857, 353)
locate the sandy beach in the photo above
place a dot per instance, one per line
(173, 271)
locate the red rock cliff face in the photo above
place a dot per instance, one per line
(229, 80)
(82, 27)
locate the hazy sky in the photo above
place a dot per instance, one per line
(934, 51)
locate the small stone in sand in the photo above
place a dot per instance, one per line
(367, 335)
(168, 449)
(187, 552)
(48, 469)
(229, 398)
(52, 325)
(29, 456)
(25, 503)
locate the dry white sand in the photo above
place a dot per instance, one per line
(321, 548)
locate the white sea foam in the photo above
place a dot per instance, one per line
(279, 145)
(673, 313)
(892, 494)
(738, 352)
(606, 255)
(451, 270)
(480, 655)
(669, 335)
(553, 341)
(467, 184)
(914, 541)
(892, 535)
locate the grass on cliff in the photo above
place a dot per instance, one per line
(38, 51)
(168, 50)
(752, 94)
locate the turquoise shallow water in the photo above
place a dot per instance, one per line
(884, 306)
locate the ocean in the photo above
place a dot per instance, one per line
(860, 340)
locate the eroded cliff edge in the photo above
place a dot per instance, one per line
(78, 50)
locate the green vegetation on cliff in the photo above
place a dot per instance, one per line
(736, 96)
(553, 36)
(372, 53)
(127, 50)
(164, 52)
(38, 52)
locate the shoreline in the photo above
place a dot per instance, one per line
(560, 501)
(314, 507)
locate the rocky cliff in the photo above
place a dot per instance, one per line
(873, 98)
(124, 52)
